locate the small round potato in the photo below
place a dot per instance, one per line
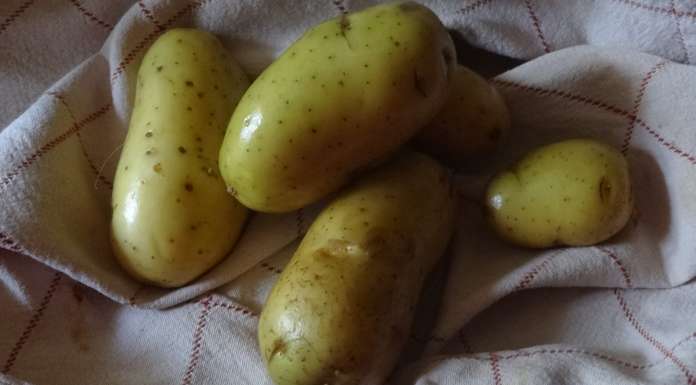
(576, 192)
(471, 124)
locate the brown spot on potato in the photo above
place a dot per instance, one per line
(279, 346)
(189, 83)
(604, 189)
(188, 186)
(419, 84)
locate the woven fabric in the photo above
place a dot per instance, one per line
(623, 312)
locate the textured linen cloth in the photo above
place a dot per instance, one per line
(623, 312)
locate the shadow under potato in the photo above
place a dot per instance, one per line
(427, 310)
(485, 63)
(652, 208)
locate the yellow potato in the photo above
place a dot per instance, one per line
(341, 311)
(471, 124)
(576, 192)
(172, 217)
(343, 97)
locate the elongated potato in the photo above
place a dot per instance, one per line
(172, 217)
(341, 311)
(342, 98)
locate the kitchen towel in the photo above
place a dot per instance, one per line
(620, 313)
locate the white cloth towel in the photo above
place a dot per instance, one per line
(620, 313)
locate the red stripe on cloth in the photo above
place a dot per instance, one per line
(270, 268)
(234, 308)
(651, 339)
(532, 274)
(495, 369)
(529, 277)
(148, 15)
(655, 9)
(670, 146)
(472, 7)
(130, 56)
(563, 94)
(637, 102)
(7, 243)
(46, 148)
(620, 265)
(537, 26)
(94, 168)
(601, 356)
(202, 322)
(131, 300)
(573, 351)
(340, 6)
(646, 7)
(15, 15)
(599, 104)
(91, 16)
(31, 325)
(197, 342)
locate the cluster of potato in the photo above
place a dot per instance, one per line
(344, 110)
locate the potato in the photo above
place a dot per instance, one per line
(342, 308)
(576, 192)
(172, 217)
(470, 125)
(342, 98)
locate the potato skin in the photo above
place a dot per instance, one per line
(342, 98)
(575, 192)
(341, 310)
(172, 217)
(470, 125)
